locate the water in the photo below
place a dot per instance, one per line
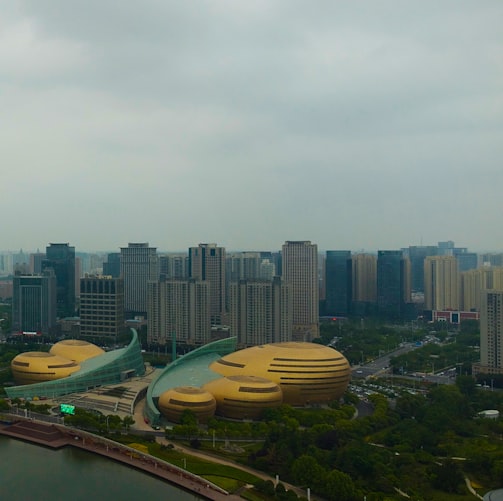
(32, 473)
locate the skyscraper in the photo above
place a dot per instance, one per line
(179, 308)
(34, 302)
(393, 283)
(491, 333)
(417, 255)
(473, 282)
(364, 278)
(139, 265)
(61, 258)
(300, 269)
(101, 307)
(260, 311)
(112, 266)
(338, 283)
(441, 283)
(207, 262)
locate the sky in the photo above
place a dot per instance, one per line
(374, 124)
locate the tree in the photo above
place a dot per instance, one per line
(467, 385)
(306, 471)
(338, 485)
(448, 477)
(127, 422)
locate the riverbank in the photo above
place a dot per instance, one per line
(56, 436)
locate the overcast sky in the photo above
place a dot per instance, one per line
(370, 124)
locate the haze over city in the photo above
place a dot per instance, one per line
(354, 125)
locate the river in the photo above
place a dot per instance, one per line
(30, 472)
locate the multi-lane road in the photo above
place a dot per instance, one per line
(379, 367)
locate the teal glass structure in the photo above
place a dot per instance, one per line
(112, 367)
(191, 369)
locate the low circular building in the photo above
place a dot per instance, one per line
(306, 372)
(38, 366)
(244, 397)
(172, 403)
(76, 349)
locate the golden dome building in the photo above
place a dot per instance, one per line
(255, 378)
(244, 397)
(76, 349)
(41, 374)
(38, 366)
(174, 402)
(306, 372)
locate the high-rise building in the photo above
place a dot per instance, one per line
(417, 255)
(36, 263)
(267, 270)
(441, 283)
(491, 333)
(466, 260)
(243, 266)
(473, 282)
(393, 283)
(207, 262)
(260, 311)
(112, 266)
(338, 283)
(364, 278)
(139, 265)
(61, 258)
(300, 269)
(173, 266)
(492, 259)
(179, 308)
(34, 302)
(101, 307)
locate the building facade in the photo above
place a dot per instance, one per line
(61, 259)
(139, 265)
(260, 311)
(393, 283)
(491, 333)
(34, 303)
(417, 255)
(112, 266)
(300, 270)
(207, 263)
(101, 307)
(338, 283)
(179, 308)
(441, 283)
(473, 282)
(364, 278)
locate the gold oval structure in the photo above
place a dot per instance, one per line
(37, 366)
(306, 372)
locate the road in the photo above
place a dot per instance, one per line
(379, 366)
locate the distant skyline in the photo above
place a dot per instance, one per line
(276, 248)
(355, 125)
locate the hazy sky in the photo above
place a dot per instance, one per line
(370, 124)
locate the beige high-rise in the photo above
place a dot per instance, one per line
(180, 308)
(260, 311)
(300, 269)
(473, 282)
(364, 278)
(441, 283)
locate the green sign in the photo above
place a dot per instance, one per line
(67, 409)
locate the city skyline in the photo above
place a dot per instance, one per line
(230, 250)
(373, 125)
